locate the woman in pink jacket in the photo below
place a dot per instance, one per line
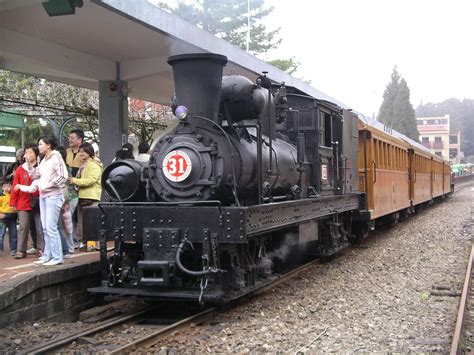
(51, 178)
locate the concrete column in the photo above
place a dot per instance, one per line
(113, 118)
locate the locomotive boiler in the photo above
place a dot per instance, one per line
(252, 168)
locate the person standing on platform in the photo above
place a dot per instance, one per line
(52, 176)
(125, 152)
(19, 159)
(143, 152)
(88, 183)
(74, 161)
(26, 204)
(7, 219)
(65, 219)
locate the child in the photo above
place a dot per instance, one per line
(7, 219)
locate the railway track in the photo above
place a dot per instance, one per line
(463, 313)
(110, 335)
(463, 185)
(151, 324)
(153, 338)
(77, 336)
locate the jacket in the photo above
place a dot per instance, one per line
(73, 161)
(5, 204)
(52, 176)
(20, 199)
(89, 180)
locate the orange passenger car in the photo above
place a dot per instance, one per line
(396, 174)
(383, 171)
(437, 176)
(420, 173)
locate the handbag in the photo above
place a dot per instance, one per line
(34, 200)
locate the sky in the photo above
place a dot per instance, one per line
(349, 48)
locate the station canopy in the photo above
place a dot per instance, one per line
(109, 39)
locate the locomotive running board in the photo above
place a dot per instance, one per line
(131, 221)
(289, 213)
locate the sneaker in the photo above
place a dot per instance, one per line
(66, 256)
(40, 261)
(53, 262)
(13, 253)
(31, 251)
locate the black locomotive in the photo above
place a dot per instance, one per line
(251, 170)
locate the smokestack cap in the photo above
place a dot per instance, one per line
(198, 56)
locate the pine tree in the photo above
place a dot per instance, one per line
(404, 120)
(396, 110)
(386, 113)
(287, 65)
(228, 20)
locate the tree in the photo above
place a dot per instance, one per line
(404, 120)
(39, 98)
(389, 96)
(396, 110)
(287, 65)
(36, 98)
(228, 20)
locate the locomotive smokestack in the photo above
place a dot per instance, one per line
(198, 81)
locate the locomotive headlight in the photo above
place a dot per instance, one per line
(181, 112)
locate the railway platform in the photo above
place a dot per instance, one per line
(30, 292)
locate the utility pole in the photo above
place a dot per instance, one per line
(248, 25)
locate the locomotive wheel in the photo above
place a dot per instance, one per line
(360, 231)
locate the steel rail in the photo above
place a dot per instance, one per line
(459, 329)
(41, 349)
(462, 185)
(202, 316)
(153, 337)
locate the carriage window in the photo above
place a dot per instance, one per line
(325, 129)
(328, 130)
(397, 151)
(321, 128)
(381, 157)
(377, 152)
(390, 157)
(387, 146)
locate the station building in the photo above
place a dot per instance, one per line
(435, 135)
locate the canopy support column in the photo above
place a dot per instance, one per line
(113, 117)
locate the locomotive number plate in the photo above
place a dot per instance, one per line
(177, 166)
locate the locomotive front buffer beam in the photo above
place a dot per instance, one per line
(160, 236)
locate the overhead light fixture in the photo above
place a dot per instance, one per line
(62, 7)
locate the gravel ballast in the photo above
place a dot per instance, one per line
(397, 291)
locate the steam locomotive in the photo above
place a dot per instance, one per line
(253, 174)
